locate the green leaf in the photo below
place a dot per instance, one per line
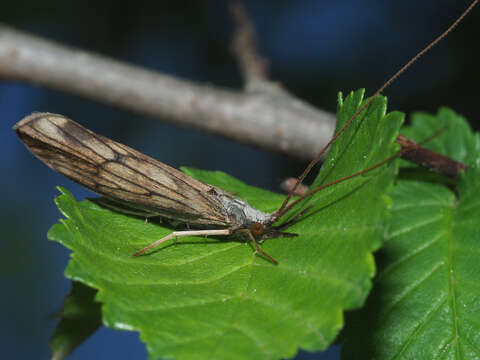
(215, 298)
(425, 302)
(80, 317)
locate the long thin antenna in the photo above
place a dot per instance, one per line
(282, 212)
(282, 208)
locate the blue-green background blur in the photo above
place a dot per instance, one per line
(315, 48)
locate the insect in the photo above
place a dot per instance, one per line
(129, 177)
(126, 176)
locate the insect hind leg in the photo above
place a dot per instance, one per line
(177, 234)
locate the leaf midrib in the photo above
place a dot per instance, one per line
(451, 274)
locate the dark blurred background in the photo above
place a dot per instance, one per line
(315, 48)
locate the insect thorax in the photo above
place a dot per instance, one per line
(241, 214)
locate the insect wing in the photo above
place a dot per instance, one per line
(118, 171)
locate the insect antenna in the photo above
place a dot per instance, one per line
(404, 150)
(284, 208)
(287, 208)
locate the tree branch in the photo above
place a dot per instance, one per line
(277, 122)
(253, 67)
(265, 115)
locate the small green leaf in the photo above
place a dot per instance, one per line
(426, 302)
(215, 298)
(80, 317)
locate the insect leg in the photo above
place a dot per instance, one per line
(176, 234)
(259, 249)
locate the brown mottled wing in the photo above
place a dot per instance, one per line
(119, 172)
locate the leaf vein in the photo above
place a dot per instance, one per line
(392, 266)
(420, 326)
(416, 226)
(410, 289)
(416, 205)
(255, 340)
(288, 310)
(472, 345)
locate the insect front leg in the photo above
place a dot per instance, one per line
(258, 248)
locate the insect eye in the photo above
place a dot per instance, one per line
(257, 229)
